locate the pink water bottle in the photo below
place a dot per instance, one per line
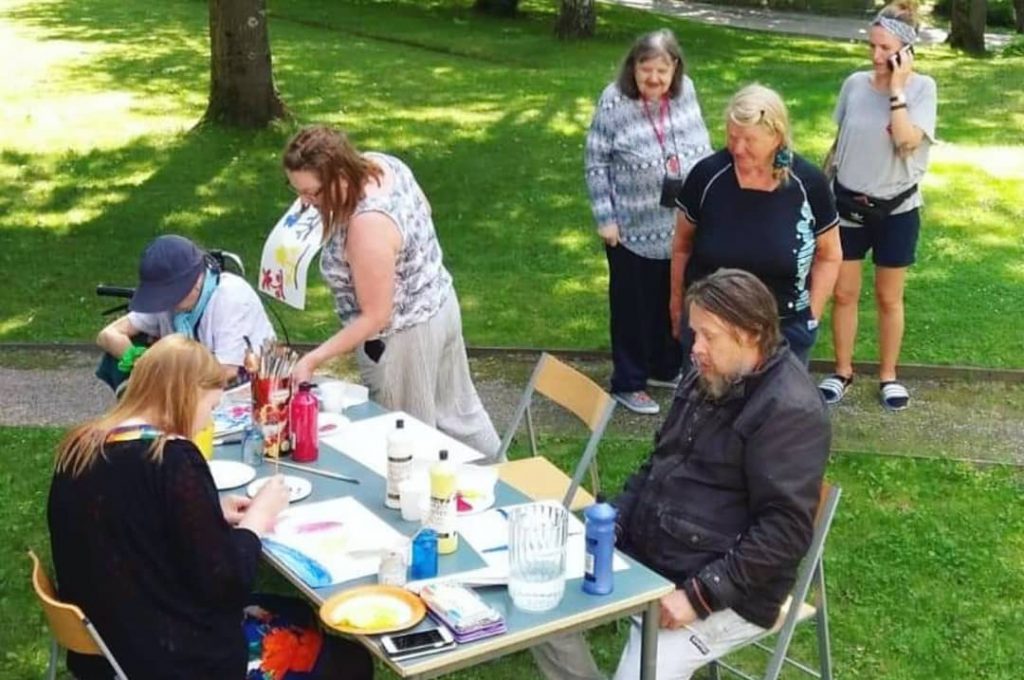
(305, 409)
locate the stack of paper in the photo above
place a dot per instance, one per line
(365, 441)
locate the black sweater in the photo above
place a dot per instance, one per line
(144, 549)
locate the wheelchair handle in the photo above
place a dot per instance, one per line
(114, 291)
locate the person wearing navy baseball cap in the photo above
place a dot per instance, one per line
(182, 290)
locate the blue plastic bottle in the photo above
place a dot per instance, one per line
(600, 541)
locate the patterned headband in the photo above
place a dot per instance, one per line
(906, 33)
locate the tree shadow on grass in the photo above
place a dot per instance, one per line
(491, 119)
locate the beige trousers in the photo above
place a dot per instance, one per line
(424, 372)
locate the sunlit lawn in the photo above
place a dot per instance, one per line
(96, 157)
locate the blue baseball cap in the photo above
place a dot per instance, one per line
(168, 269)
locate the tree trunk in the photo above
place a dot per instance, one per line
(242, 90)
(576, 19)
(1018, 15)
(967, 25)
(501, 8)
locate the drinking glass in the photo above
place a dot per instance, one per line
(537, 534)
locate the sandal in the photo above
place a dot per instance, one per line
(834, 388)
(893, 395)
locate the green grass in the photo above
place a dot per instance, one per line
(98, 154)
(924, 564)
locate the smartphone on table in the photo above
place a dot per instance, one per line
(417, 643)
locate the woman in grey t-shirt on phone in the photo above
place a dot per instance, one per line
(886, 120)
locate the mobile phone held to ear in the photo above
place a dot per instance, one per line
(417, 643)
(897, 59)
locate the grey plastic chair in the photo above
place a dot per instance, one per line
(810, 575)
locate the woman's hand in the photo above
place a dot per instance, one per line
(234, 508)
(304, 368)
(675, 314)
(262, 512)
(609, 233)
(901, 71)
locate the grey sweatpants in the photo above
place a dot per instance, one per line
(424, 372)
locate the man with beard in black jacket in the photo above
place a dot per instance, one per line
(725, 505)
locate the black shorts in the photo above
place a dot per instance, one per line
(892, 242)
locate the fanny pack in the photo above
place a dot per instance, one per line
(860, 208)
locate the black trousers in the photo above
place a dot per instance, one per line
(642, 344)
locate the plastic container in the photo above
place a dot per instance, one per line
(400, 451)
(442, 504)
(393, 568)
(203, 439)
(537, 537)
(304, 426)
(252, 446)
(424, 555)
(600, 546)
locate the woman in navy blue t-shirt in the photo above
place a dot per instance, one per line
(756, 205)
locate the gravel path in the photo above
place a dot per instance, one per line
(970, 420)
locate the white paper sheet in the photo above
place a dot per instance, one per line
(331, 541)
(287, 253)
(365, 441)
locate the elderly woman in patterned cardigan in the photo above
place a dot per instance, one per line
(646, 134)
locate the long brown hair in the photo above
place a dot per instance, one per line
(328, 154)
(164, 390)
(741, 300)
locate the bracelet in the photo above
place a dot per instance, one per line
(897, 107)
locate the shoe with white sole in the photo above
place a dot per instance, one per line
(637, 402)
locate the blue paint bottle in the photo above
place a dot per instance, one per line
(600, 546)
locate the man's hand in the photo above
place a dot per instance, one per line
(234, 508)
(610, 233)
(676, 611)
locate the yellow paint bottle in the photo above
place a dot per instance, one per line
(442, 504)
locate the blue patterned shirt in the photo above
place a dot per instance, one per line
(626, 163)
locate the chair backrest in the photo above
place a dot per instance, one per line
(811, 571)
(574, 392)
(67, 622)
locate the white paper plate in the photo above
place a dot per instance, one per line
(230, 474)
(298, 488)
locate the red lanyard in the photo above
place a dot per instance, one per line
(659, 127)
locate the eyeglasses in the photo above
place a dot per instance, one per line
(304, 194)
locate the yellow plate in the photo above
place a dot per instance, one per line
(369, 610)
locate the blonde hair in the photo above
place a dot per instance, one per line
(164, 389)
(905, 11)
(759, 105)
